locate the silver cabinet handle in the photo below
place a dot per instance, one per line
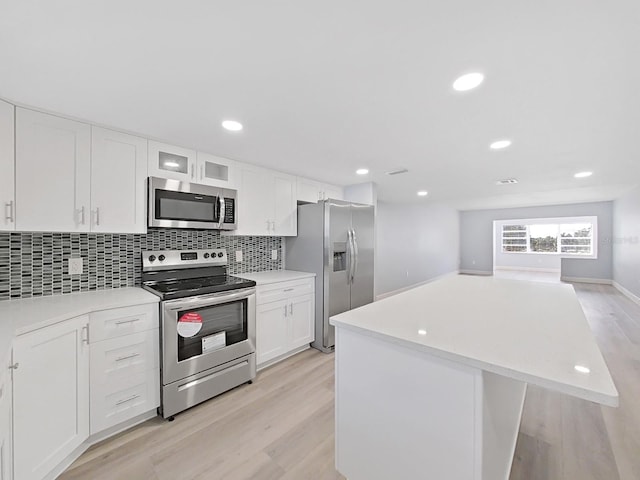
(288, 289)
(97, 215)
(285, 310)
(14, 366)
(268, 225)
(81, 212)
(85, 334)
(120, 402)
(192, 172)
(273, 228)
(127, 357)
(9, 211)
(131, 320)
(291, 309)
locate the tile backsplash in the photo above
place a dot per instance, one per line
(35, 264)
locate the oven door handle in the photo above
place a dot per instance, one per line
(208, 299)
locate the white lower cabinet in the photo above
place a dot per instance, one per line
(125, 380)
(72, 380)
(284, 319)
(50, 396)
(6, 455)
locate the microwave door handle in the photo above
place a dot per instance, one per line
(221, 203)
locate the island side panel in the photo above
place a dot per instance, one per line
(502, 402)
(404, 414)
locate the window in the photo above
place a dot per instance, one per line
(539, 236)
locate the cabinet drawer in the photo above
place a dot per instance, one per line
(118, 358)
(123, 321)
(140, 394)
(283, 290)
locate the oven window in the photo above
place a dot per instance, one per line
(222, 325)
(186, 206)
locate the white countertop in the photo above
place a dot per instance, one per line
(273, 276)
(532, 332)
(21, 316)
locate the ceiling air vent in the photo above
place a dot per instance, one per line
(397, 171)
(507, 181)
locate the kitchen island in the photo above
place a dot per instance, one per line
(430, 383)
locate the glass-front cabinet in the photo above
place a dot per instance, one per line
(170, 161)
(217, 171)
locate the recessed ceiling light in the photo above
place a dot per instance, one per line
(468, 81)
(583, 174)
(232, 125)
(362, 171)
(422, 332)
(423, 193)
(500, 144)
(581, 369)
(171, 164)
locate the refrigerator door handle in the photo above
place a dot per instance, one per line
(355, 255)
(349, 257)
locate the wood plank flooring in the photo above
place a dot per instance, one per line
(282, 426)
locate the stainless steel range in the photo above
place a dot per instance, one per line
(207, 325)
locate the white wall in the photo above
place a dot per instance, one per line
(362, 193)
(476, 237)
(626, 241)
(415, 243)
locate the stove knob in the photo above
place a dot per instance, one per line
(220, 254)
(161, 258)
(152, 258)
(206, 255)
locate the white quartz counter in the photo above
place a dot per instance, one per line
(532, 332)
(274, 276)
(18, 317)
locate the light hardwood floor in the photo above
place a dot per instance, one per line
(282, 426)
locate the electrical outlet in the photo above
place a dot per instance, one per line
(238, 255)
(274, 254)
(75, 266)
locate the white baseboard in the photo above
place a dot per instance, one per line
(627, 293)
(476, 272)
(528, 269)
(600, 281)
(410, 287)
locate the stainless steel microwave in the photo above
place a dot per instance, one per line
(176, 204)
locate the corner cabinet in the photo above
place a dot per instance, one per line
(284, 319)
(6, 431)
(7, 167)
(267, 203)
(50, 396)
(53, 173)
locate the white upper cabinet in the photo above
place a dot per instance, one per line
(7, 167)
(217, 171)
(118, 178)
(169, 161)
(266, 203)
(53, 173)
(312, 191)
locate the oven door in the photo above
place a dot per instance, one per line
(203, 332)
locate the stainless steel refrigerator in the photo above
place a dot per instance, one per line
(335, 241)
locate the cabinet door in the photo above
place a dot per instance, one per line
(217, 171)
(169, 161)
(7, 167)
(286, 213)
(118, 177)
(271, 331)
(53, 173)
(5, 420)
(308, 190)
(333, 192)
(50, 396)
(301, 319)
(255, 203)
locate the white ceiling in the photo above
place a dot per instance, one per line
(324, 87)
